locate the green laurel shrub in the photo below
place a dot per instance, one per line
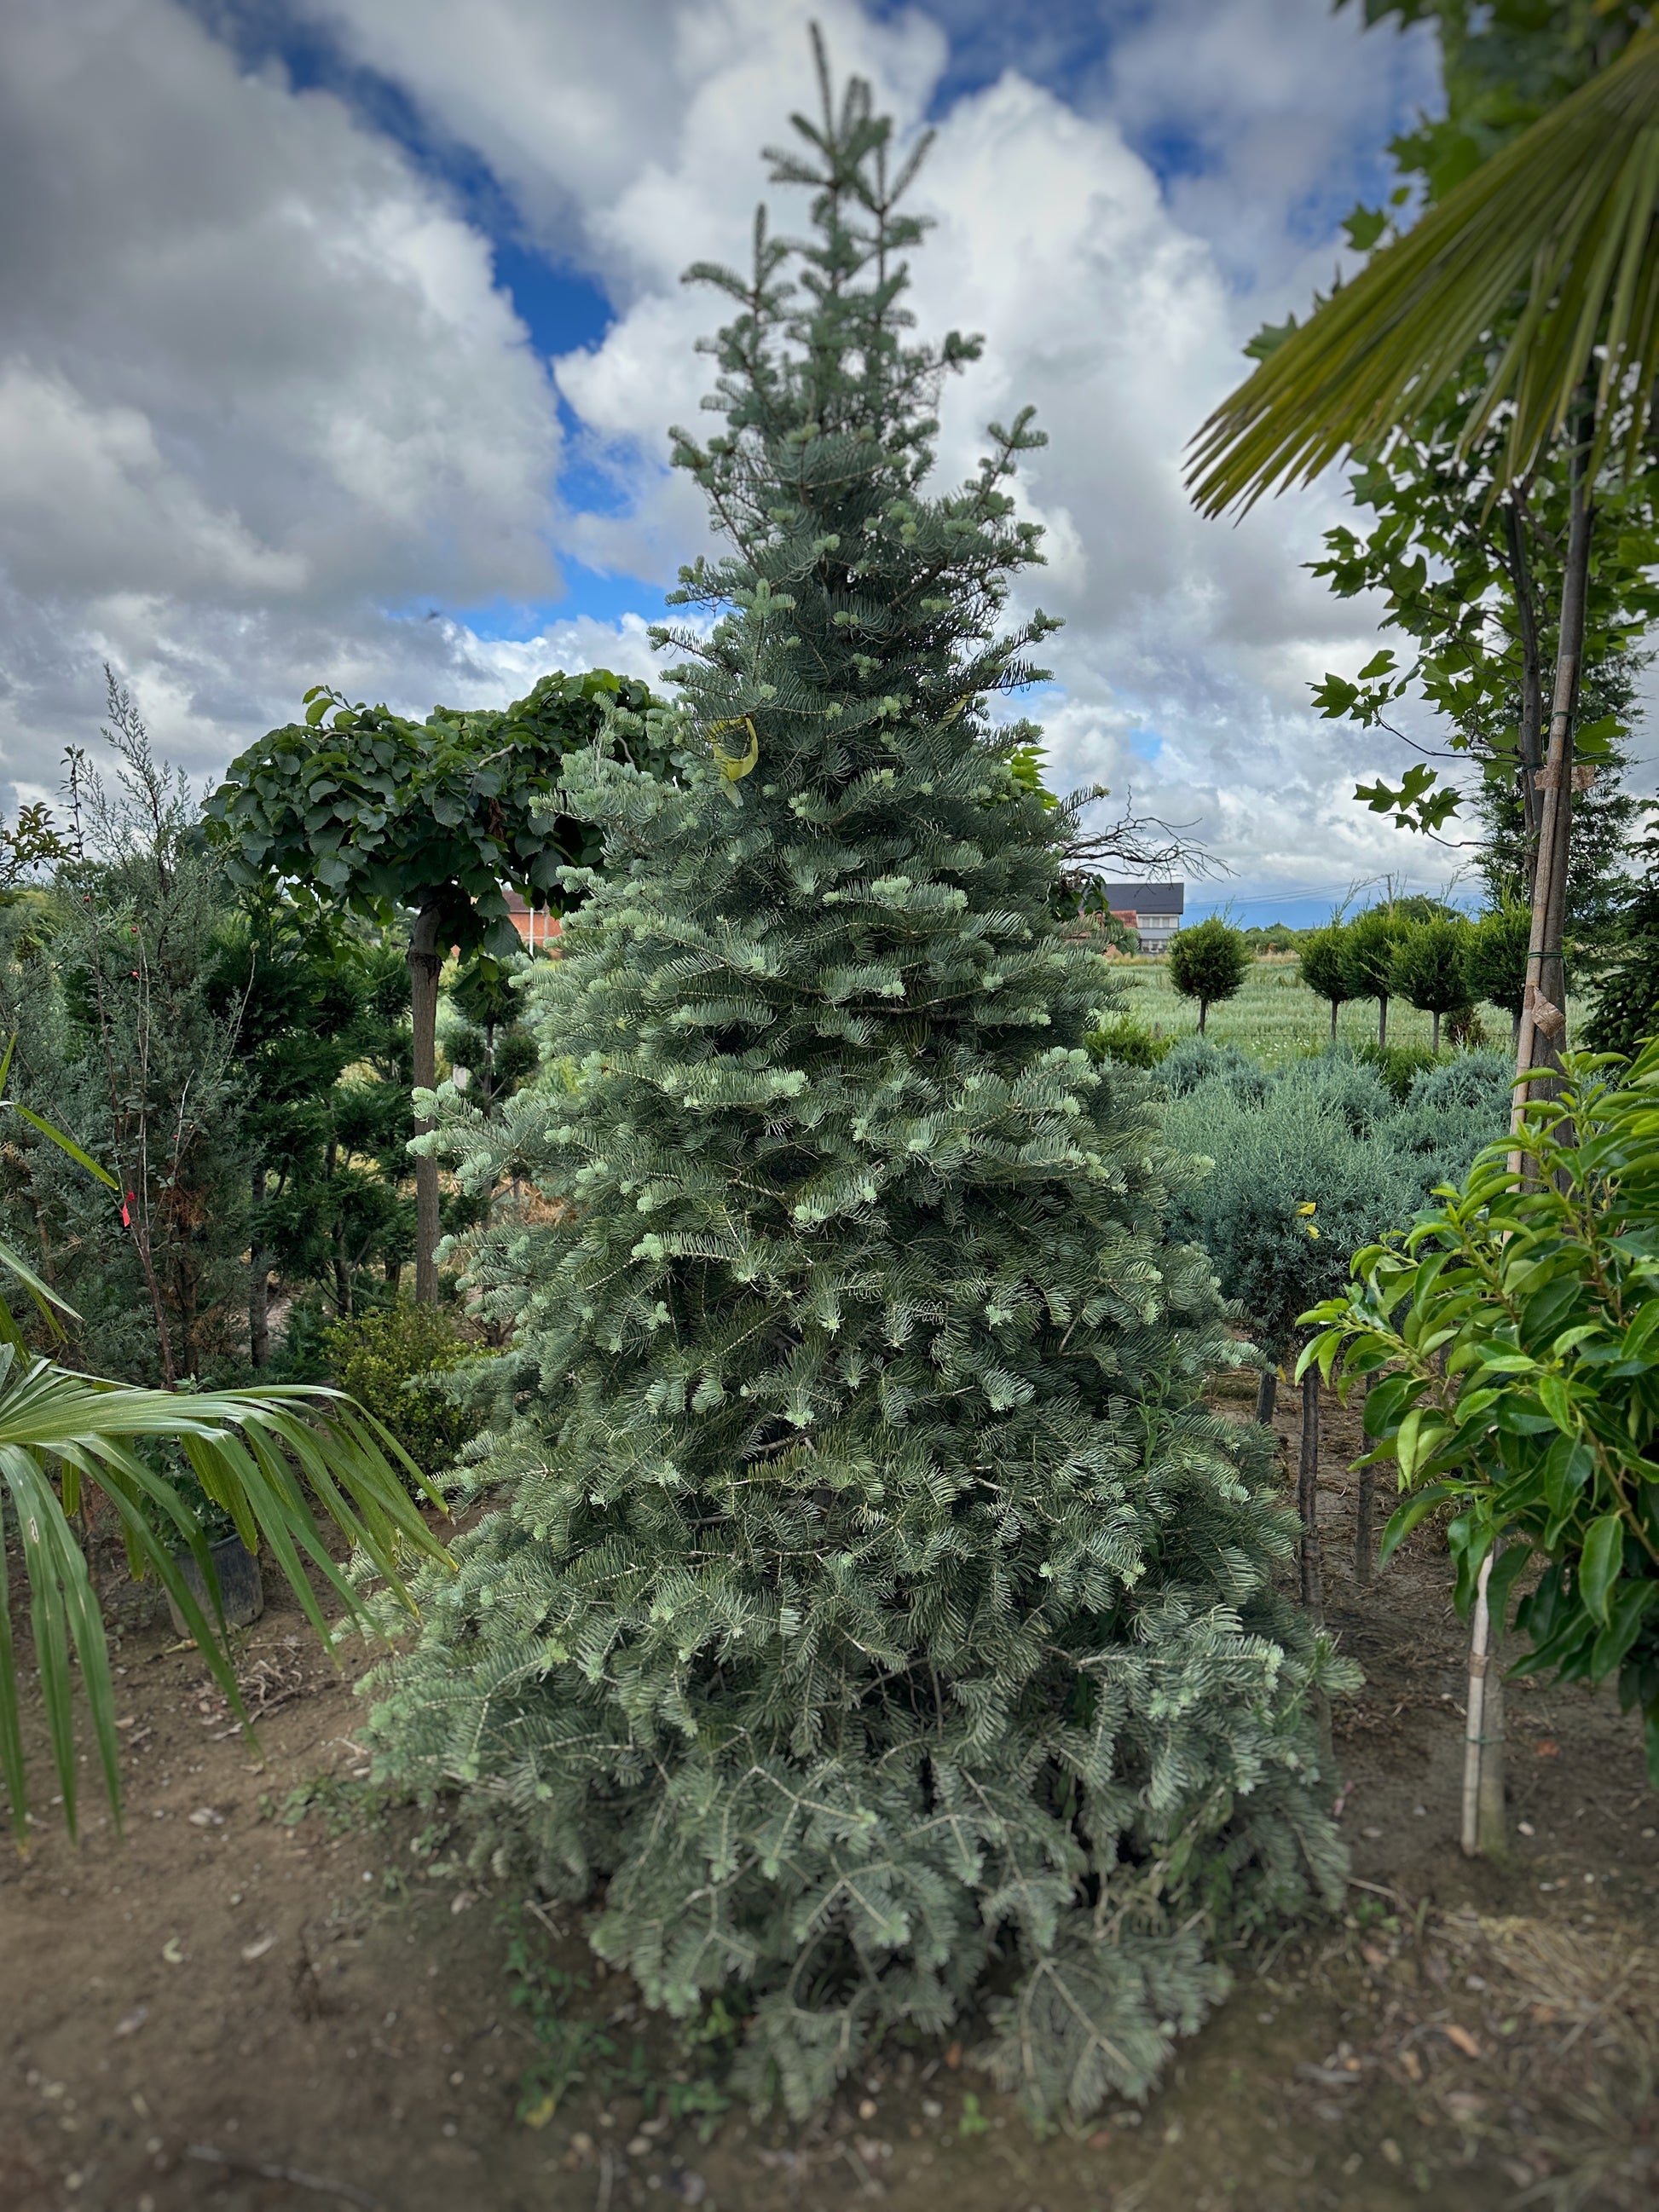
(1514, 1333)
(388, 1357)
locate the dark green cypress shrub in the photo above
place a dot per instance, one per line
(879, 1613)
(1625, 1010)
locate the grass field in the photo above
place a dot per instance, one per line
(1275, 1016)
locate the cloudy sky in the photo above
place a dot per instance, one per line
(339, 340)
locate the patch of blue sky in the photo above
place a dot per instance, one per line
(1146, 744)
(591, 481)
(1061, 44)
(588, 593)
(561, 309)
(1308, 912)
(1068, 45)
(1029, 704)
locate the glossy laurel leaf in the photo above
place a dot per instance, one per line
(1514, 1323)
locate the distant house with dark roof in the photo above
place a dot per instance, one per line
(1153, 911)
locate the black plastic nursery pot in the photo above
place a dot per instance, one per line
(241, 1590)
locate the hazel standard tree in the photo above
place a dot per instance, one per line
(878, 1611)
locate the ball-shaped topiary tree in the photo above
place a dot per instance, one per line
(878, 1612)
(1368, 960)
(1427, 969)
(1323, 968)
(1495, 959)
(1208, 962)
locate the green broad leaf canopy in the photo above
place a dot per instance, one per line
(464, 806)
(1512, 1330)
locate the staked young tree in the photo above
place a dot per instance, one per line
(1208, 962)
(877, 1610)
(1323, 967)
(1427, 969)
(379, 813)
(1543, 259)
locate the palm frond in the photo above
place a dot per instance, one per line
(1560, 226)
(266, 1456)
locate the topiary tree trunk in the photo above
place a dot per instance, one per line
(878, 1611)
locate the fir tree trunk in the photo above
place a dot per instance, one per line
(1543, 1010)
(1203, 1014)
(1382, 1022)
(1267, 1396)
(1312, 1562)
(425, 966)
(1333, 1007)
(1435, 1019)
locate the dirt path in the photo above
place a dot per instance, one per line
(273, 1996)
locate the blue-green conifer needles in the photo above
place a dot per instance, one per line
(877, 1609)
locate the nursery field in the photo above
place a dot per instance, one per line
(1275, 1016)
(279, 1991)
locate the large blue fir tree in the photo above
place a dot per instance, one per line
(877, 1611)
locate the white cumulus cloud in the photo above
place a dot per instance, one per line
(266, 416)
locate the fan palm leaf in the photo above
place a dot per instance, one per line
(265, 1457)
(1552, 241)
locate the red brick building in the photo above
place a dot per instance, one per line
(537, 927)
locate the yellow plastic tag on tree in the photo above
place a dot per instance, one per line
(735, 766)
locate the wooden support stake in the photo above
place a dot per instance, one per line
(1307, 1497)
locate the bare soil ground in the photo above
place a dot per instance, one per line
(273, 1995)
